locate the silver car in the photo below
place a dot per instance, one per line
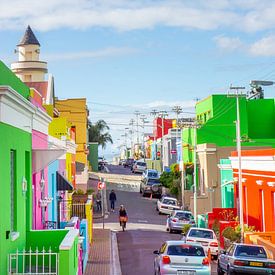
(181, 258)
(177, 220)
(245, 259)
(139, 167)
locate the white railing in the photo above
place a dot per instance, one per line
(33, 262)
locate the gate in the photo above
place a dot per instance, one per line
(33, 262)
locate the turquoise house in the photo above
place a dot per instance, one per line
(227, 183)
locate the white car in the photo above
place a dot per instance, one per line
(178, 257)
(139, 167)
(206, 237)
(166, 205)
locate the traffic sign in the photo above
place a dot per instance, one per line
(158, 153)
(100, 185)
(173, 151)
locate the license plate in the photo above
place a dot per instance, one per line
(170, 208)
(256, 264)
(185, 272)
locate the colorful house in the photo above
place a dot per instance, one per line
(258, 176)
(216, 136)
(76, 113)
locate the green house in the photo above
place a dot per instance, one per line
(22, 249)
(216, 139)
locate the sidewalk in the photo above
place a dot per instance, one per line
(99, 262)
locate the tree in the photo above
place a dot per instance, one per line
(98, 132)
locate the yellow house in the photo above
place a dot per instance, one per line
(76, 112)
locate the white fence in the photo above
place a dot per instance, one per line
(33, 262)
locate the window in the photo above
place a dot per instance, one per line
(170, 202)
(250, 251)
(185, 250)
(162, 249)
(206, 234)
(13, 191)
(28, 78)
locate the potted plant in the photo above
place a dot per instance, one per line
(79, 196)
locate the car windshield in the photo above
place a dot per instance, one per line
(250, 251)
(201, 234)
(153, 181)
(152, 174)
(141, 163)
(167, 201)
(185, 250)
(184, 215)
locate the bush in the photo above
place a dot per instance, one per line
(230, 234)
(79, 192)
(90, 191)
(185, 228)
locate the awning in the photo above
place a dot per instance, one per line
(62, 183)
(41, 158)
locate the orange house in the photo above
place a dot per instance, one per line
(258, 173)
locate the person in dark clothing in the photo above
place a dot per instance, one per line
(122, 215)
(98, 201)
(112, 198)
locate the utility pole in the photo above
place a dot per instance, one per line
(137, 113)
(163, 114)
(154, 113)
(143, 119)
(238, 94)
(195, 172)
(132, 132)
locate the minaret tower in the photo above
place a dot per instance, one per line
(28, 67)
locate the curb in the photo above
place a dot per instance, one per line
(115, 268)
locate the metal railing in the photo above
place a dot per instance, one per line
(33, 262)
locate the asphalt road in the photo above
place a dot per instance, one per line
(137, 243)
(119, 169)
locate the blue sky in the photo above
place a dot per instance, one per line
(126, 55)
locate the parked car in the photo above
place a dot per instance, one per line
(139, 167)
(245, 259)
(122, 161)
(128, 162)
(151, 186)
(178, 257)
(150, 174)
(177, 220)
(167, 205)
(204, 236)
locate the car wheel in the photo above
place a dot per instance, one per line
(215, 257)
(171, 230)
(230, 272)
(167, 229)
(159, 213)
(143, 195)
(219, 270)
(140, 191)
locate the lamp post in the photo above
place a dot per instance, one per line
(163, 114)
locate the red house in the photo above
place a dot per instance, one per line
(158, 122)
(258, 174)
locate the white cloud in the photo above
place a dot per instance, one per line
(108, 52)
(263, 47)
(125, 15)
(228, 43)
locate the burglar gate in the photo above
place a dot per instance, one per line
(33, 262)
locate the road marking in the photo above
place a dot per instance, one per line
(142, 221)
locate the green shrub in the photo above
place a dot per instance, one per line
(79, 192)
(90, 191)
(185, 228)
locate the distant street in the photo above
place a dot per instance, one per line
(145, 230)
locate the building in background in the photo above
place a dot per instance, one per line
(76, 113)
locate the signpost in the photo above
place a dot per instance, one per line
(100, 187)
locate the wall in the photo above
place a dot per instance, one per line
(93, 156)
(75, 111)
(52, 190)
(227, 189)
(39, 141)
(167, 123)
(20, 141)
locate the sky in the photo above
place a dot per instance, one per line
(128, 55)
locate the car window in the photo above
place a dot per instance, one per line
(250, 251)
(153, 181)
(201, 233)
(185, 250)
(230, 250)
(152, 174)
(184, 215)
(141, 163)
(170, 202)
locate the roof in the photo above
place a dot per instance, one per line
(28, 38)
(41, 87)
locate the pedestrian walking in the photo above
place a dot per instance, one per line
(112, 198)
(98, 201)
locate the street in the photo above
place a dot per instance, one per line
(145, 230)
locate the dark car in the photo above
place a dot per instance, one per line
(245, 259)
(128, 163)
(151, 186)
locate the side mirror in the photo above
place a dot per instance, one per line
(156, 252)
(222, 251)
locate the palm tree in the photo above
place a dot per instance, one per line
(98, 132)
